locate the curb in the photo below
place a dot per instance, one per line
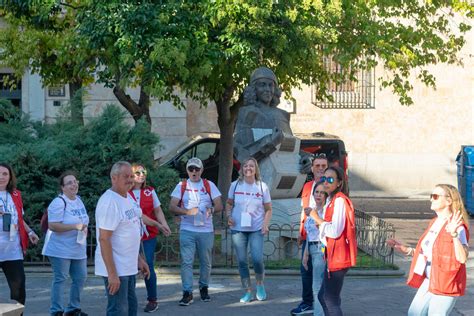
(234, 272)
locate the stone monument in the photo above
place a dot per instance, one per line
(263, 131)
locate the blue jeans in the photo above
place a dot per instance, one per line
(124, 302)
(319, 266)
(149, 250)
(188, 243)
(307, 278)
(241, 241)
(427, 303)
(62, 269)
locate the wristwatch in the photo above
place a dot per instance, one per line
(454, 235)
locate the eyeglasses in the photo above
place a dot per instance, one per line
(192, 169)
(329, 180)
(72, 182)
(140, 172)
(435, 196)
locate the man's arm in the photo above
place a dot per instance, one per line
(176, 210)
(107, 256)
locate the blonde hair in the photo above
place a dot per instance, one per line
(135, 167)
(257, 169)
(456, 204)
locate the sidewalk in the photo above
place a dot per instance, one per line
(360, 296)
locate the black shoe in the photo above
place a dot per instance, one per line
(75, 312)
(204, 295)
(151, 307)
(58, 313)
(187, 299)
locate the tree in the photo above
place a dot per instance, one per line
(206, 50)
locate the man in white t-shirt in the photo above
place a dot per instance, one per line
(119, 229)
(195, 200)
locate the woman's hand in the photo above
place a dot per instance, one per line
(265, 229)
(230, 221)
(453, 223)
(33, 237)
(307, 210)
(395, 244)
(165, 229)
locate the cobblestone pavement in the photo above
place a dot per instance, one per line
(360, 296)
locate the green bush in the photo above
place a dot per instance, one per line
(39, 153)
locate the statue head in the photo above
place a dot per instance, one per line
(262, 89)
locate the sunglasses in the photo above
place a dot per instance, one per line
(143, 172)
(320, 156)
(435, 196)
(192, 169)
(329, 180)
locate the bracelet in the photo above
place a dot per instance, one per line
(455, 235)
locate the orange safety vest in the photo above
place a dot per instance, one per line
(146, 204)
(16, 196)
(448, 276)
(341, 252)
(305, 197)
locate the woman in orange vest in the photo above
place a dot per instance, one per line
(14, 234)
(337, 233)
(438, 268)
(155, 220)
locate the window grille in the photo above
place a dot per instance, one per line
(357, 94)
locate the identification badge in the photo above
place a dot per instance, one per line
(420, 265)
(245, 220)
(81, 237)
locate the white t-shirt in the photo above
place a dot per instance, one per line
(249, 198)
(312, 231)
(9, 249)
(196, 196)
(64, 244)
(156, 201)
(120, 215)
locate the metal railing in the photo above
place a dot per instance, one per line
(281, 249)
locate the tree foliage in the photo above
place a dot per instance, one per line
(39, 153)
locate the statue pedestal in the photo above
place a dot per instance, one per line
(280, 170)
(11, 309)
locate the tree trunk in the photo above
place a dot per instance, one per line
(137, 110)
(144, 104)
(77, 107)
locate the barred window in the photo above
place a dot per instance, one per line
(348, 94)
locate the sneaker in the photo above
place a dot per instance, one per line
(302, 309)
(261, 294)
(247, 298)
(75, 312)
(150, 307)
(187, 299)
(204, 295)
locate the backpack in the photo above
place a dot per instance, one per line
(44, 218)
(207, 186)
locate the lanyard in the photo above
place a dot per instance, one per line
(5, 202)
(196, 196)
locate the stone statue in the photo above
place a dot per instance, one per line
(263, 131)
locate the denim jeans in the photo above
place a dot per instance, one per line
(124, 302)
(241, 241)
(15, 275)
(319, 266)
(149, 250)
(62, 269)
(188, 243)
(427, 303)
(330, 293)
(307, 278)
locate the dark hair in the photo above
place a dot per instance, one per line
(318, 184)
(64, 175)
(11, 185)
(341, 178)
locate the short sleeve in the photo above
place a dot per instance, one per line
(156, 200)
(232, 190)
(462, 236)
(266, 193)
(107, 215)
(56, 210)
(215, 193)
(177, 191)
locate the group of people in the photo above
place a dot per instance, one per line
(129, 217)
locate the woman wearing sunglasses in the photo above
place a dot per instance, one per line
(146, 197)
(438, 268)
(313, 244)
(249, 210)
(337, 233)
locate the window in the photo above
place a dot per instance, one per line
(357, 94)
(10, 88)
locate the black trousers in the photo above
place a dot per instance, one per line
(330, 293)
(15, 275)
